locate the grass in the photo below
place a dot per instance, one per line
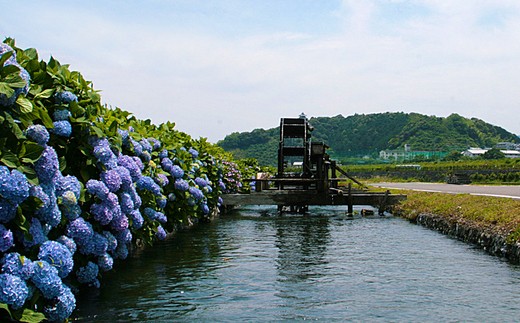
(500, 215)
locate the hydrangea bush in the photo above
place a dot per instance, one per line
(81, 185)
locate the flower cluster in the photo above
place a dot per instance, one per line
(231, 183)
(6, 100)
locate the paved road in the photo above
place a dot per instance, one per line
(487, 190)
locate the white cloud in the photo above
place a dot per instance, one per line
(437, 59)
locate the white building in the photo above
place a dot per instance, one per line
(476, 152)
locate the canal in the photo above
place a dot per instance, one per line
(253, 265)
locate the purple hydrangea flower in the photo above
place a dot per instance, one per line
(201, 182)
(15, 264)
(162, 180)
(112, 179)
(101, 212)
(124, 236)
(97, 188)
(205, 208)
(126, 178)
(146, 183)
(68, 183)
(161, 201)
(119, 222)
(65, 97)
(196, 193)
(38, 133)
(87, 274)
(121, 251)
(130, 164)
(6, 239)
(62, 128)
(177, 172)
(96, 246)
(138, 149)
(46, 279)
(68, 242)
(62, 306)
(14, 290)
(126, 203)
(80, 230)
(61, 115)
(181, 185)
(146, 145)
(58, 256)
(138, 162)
(47, 166)
(156, 144)
(112, 241)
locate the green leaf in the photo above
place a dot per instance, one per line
(5, 57)
(6, 308)
(6, 89)
(47, 121)
(44, 94)
(30, 152)
(24, 104)
(9, 159)
(30, 316)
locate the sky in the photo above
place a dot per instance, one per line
(224, 66)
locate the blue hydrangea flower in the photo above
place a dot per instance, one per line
(196, 193)
(104, 153)
(62, 307)
(112, 241)
(61, 115)
(201, 182)
(166, 164)
(205, 208)
(124, 236)
(123, 134)
(97, 188)
(148, 184)
(101, 212)
(136, 218)
(163, 154)
(38, 133)
(222, 185)
(138, 162)
(7, 210)
(172, 197)
(62, 128)
(130, 164)
(126, 178)
(37, 234)
(177, 172)
(65, 97)
(161, 201)
(57, 255)
(121, 251)
(194, 153)
(119, 222)
(111, 179)
(146, 156)
(68, 242)
(38, 192)
(208, 189)
(6, 239)
(220, 201)
(8, 101)
(13, 186)
(138, 149)
(96, 246)
(126, 203)
(13, 290)
(71, 212)
(162, 180)
(47, 166)
(46, 279)
(15, 264)
(181, 185)
(156, 144)
(87, 274)
(146, 145)
(80, 230)
(105, 262)
(68, 183)
(154, 215)
(161, 233)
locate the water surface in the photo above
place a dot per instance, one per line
(254, 265)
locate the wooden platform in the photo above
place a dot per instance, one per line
(381, 200)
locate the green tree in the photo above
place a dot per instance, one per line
(493, 153)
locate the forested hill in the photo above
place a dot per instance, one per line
(367, 134)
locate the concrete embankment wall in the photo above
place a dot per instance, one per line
(484, 237)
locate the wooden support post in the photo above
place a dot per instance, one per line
(350, 210)
(382, 205)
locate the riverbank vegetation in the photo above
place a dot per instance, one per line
(499, 216)
(83, 184)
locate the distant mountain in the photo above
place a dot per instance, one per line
(367, 134)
